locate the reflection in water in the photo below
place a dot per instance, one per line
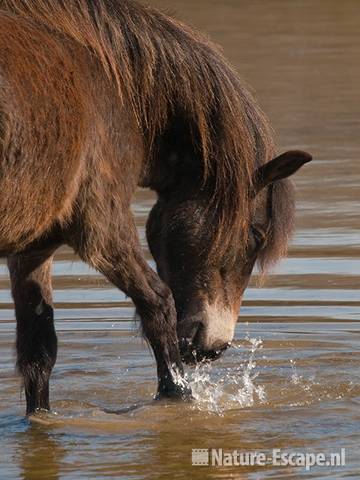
(40, 455)
(292, 379)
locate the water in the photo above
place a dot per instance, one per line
(291, 380)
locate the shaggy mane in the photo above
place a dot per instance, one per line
(161, 66)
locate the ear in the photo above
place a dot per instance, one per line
(281, 167)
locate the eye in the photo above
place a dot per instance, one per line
(259, 236)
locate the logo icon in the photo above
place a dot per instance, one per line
(200, 457)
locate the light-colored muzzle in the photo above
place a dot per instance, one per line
(206, 334)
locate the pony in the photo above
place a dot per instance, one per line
(98, 97)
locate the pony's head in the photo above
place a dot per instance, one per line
(207, 280)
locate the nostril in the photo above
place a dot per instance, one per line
(196, 341)
(188, 333)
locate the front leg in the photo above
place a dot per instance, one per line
(155, 305)
(117, 254)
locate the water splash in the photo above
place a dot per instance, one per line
(295, 377)
(217, 388)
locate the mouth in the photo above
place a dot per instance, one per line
(193, 345)
(201, 356)
(193, 355)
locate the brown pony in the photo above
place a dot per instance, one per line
(98, 97)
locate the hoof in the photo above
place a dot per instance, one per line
(173, 391)
(31, 412)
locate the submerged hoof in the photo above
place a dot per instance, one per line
(37, 412)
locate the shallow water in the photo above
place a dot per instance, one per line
(292, 378)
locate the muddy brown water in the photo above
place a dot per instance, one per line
(291, 380)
